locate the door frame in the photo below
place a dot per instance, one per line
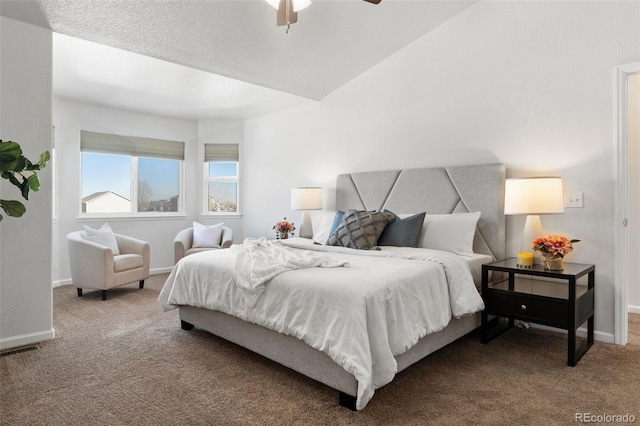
(621, 74)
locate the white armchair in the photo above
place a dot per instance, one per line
(94, 265)
(183, 243)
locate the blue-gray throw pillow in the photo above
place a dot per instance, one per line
(336, 221)
(402, 232)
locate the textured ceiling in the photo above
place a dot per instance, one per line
(333, 42)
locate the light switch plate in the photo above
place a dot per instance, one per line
(573, 199)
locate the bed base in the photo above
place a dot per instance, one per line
(302, 358)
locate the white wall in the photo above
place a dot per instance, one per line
(26, 298)
(634, 191)
(528, 84)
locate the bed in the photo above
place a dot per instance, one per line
(297, 318)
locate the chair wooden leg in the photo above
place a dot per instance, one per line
(141, 283)
(104, 294)
(79, 292)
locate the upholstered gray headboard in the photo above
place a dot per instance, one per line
(435, 190)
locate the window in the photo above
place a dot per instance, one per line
(125, 175)
(158, 185)
(222, 178)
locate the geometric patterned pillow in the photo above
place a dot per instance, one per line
(360, 229)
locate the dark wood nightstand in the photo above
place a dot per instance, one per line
(552, 298)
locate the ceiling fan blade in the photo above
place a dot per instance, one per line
(374, 1)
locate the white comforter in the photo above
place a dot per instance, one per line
(361, 315)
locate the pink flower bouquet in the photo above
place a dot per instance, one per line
(555, 246)
(284, 228)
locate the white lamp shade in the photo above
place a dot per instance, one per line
(307, 198)
(542, 195)
(297, 4)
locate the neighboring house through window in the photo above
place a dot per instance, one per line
(128, 175)
(105, 202)
(222, 178)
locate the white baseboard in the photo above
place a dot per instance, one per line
(26, 339)
(155, 271)
(60, 283)
(599, 336)
(161, 270)
(634, 309)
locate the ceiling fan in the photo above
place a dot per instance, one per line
(288, 10)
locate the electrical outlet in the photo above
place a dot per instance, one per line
(573, 199)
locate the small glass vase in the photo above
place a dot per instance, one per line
(283, 235)
(551, 263)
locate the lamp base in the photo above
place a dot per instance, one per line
(532, 230)
(306, 227)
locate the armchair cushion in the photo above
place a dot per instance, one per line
(197, 250)
(125, 262)
(103, 236)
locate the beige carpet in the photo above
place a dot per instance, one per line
(125, 362)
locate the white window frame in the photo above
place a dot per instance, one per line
(133, 178)
(222, 153)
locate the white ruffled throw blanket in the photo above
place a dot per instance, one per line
(260, 260)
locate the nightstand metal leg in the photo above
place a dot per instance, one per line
(491, 328)
(576, 352)
(571, 358)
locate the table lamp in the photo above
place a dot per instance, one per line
(533, 196)
(305, 199)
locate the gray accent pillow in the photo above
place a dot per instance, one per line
(402, 232)
(360, 229)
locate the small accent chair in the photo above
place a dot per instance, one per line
(94, 266)
(183, 244)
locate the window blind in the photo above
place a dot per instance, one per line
(131, 145)
(221, 152)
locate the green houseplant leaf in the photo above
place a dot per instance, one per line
(12, 208)
(12, 166)
(44, 157)
(10, 153)
(34, 182)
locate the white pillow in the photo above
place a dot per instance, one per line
(207, 236)
(322, 222)
(103, 236)
(450, 232)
